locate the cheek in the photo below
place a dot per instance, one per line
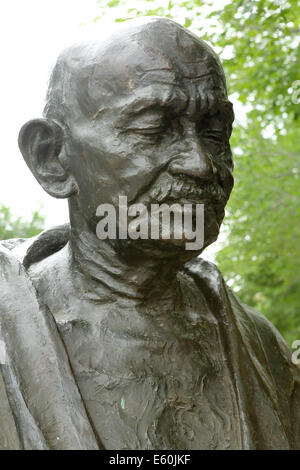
(225, 178)
(129, 162)
(141, 163)
(113, 164)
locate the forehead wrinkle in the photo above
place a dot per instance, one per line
(142, 71)
(160, 76)
(202, 77)
(142, 102)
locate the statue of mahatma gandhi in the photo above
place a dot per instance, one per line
(135, 343)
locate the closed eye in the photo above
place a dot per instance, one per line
(148, 121)
(146, 130)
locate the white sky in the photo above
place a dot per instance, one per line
(33, 32)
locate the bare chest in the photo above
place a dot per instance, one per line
(154, 385)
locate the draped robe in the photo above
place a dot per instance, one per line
(41, 406)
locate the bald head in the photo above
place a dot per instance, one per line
(139, 54)
(139, 111)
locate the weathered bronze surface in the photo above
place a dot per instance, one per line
(135, 344)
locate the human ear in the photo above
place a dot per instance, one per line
(41, 142)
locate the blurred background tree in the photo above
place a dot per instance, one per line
(259, 44)
(17, 227)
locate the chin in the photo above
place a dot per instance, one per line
(170, 249)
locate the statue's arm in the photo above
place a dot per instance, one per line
(9, 438)
(42, 393)
(285, 373)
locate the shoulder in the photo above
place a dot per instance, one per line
(273, 342)
(16, 256)
(206, 273)
(31, 250)
(210, 282)
(250, 323)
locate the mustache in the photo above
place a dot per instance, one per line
(170, 188)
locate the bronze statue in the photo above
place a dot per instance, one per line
(135, 344)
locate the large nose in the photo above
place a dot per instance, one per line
(194, 160)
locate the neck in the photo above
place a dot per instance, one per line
(108, 274)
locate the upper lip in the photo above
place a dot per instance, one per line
(191, 191)
(201, 190)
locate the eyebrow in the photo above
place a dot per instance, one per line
(171, 100)
(168, 101)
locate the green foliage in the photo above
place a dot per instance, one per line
(168, 8)
(262, 252)
(259, 43)
(12, 227)
(264, 35)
